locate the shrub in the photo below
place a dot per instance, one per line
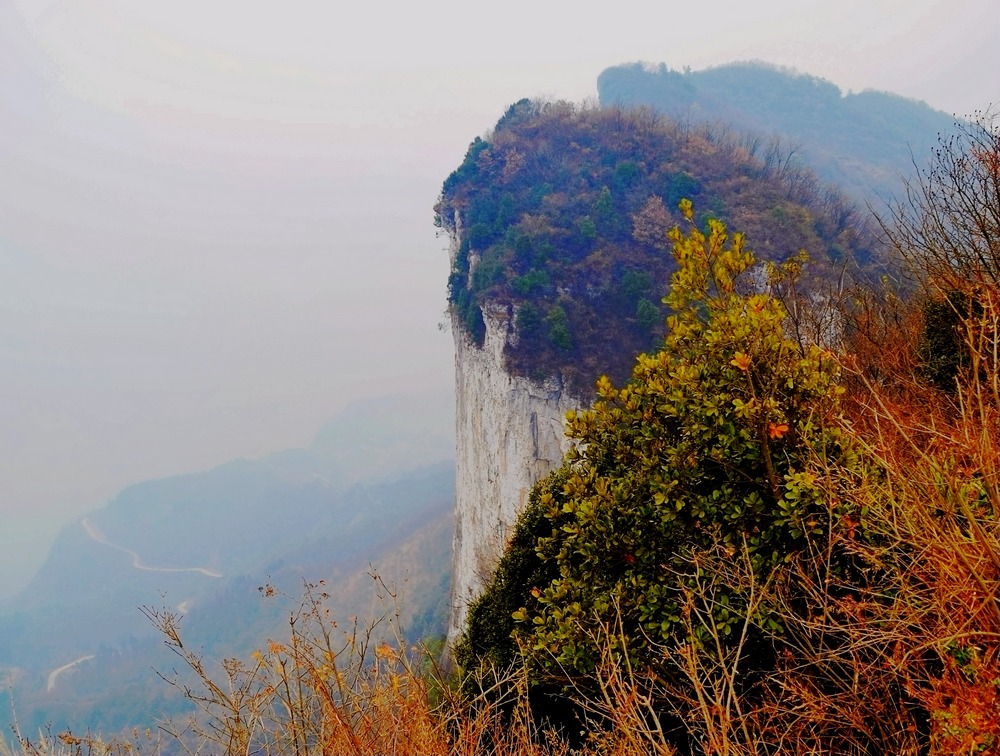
(713, 441)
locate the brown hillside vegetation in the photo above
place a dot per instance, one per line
(563, 212)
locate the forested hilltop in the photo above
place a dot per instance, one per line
(868, 142)
(562, 213)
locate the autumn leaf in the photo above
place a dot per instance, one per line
(777, 430)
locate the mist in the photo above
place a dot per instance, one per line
(216, 223)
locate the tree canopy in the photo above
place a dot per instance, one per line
(562, 213)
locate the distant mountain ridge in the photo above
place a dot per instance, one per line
(374, 490)
(865, 143)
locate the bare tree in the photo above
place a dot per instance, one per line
(948, 228)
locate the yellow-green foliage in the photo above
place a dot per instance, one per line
(711, 443)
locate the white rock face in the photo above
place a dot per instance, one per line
(509, 434)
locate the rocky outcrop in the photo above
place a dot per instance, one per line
(509, 434)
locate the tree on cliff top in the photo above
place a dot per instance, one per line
(561, 212)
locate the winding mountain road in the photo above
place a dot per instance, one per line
(137, 562)
(50, 684)
(96, 535)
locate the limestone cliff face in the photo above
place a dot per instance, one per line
(509, 434)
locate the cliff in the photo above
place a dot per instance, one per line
(509, 434)
(558, 224)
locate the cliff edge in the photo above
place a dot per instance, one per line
(509, 435)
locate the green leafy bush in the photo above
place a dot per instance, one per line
(559, 333)
(713, 441)
(714, 444)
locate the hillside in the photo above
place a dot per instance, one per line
(561, 215)
(867, 143)
(374, 490)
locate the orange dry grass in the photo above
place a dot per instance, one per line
(320, 693)
(937, 512)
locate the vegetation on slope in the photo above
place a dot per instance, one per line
(713, 444)
(562, 214)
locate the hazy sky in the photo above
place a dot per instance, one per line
(215, 215)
